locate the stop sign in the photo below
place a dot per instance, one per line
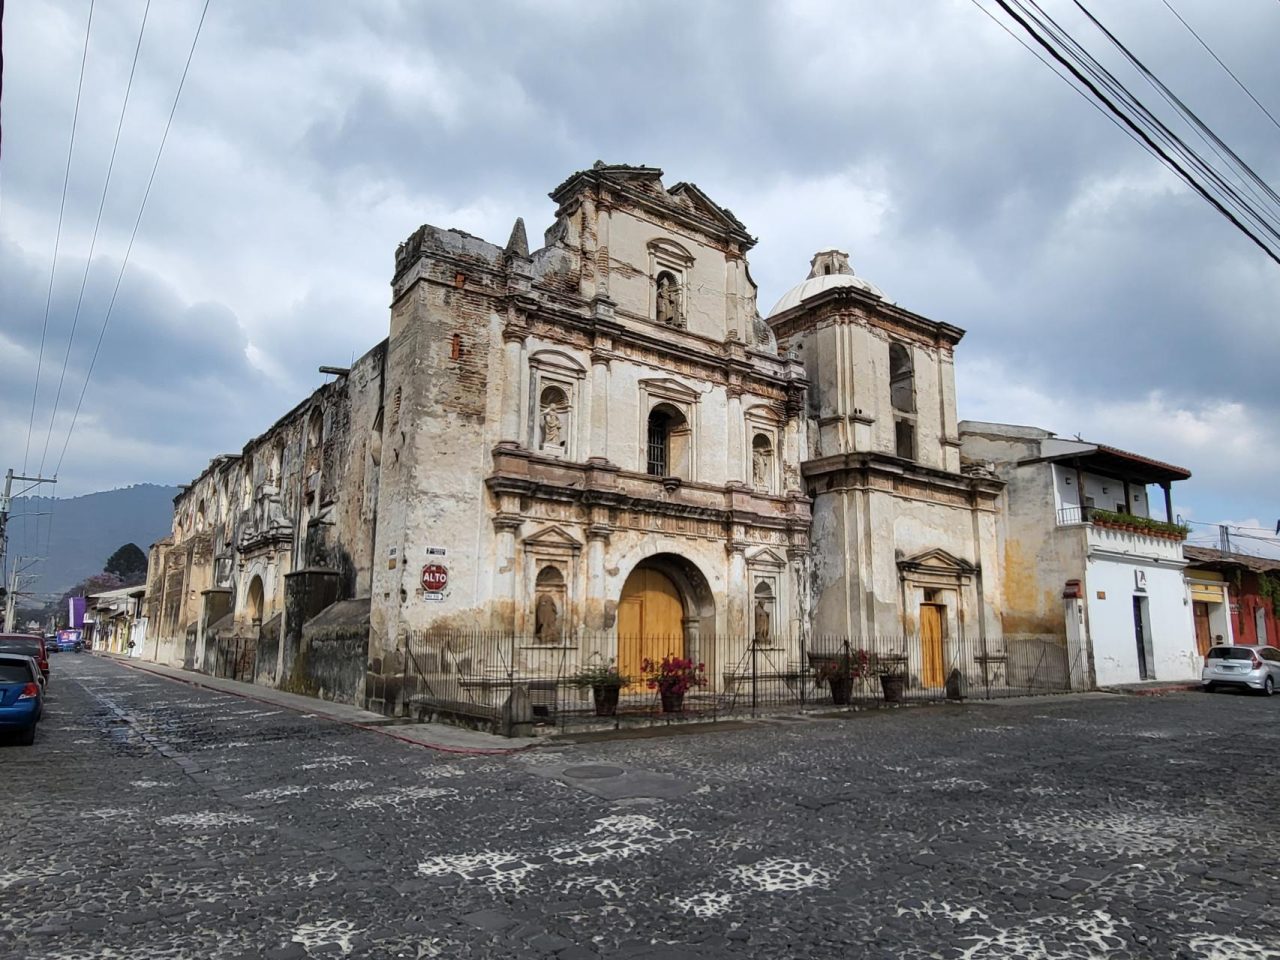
(435, 577)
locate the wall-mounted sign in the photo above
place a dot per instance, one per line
(435, 577)
(1139, 579)
(1102, 594)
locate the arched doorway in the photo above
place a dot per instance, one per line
(666, 608)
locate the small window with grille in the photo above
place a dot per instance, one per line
(659, 444)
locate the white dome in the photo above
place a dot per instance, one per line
(827, 270)
(820, 284)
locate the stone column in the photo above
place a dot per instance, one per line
(737, 459)
(737, 590)
(512, 376)
(597, 602)
(599, 446)
(505, 601)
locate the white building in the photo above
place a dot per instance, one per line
(1085, 558)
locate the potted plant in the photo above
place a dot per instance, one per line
(841, 670)
(893, 679)
(672, 677)
(605, 683)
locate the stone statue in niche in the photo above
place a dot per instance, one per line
(762, 618)
(552, 426)
(669, 301)
(761, 460)
(546, 619)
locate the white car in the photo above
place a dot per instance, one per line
(1257, 668)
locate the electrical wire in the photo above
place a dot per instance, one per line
(1211, 139)
(53, 267)
(1239, 83)
(132, 237)
(1093, 77)
(88, 263)
(1060, 75)
(1142, 115)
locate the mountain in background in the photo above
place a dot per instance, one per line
(86, 530)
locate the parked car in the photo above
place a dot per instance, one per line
(1254, 667)
(27, 645)
(68, 640)
(21, 696)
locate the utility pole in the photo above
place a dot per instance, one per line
(1224, 539)
(6, 499)
(16, 577)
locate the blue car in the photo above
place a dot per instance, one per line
(21, 696)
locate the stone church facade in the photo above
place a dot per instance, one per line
(598, 440)
(601, 450)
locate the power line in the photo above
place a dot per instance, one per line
(1144, 116)
(133, 236)
(1104, 78)
(1059, 74)
(102, 202)
(1214, 142)
(53, 267)
(1239, 83)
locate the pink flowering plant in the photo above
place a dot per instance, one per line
(673, 676)
(843, 667)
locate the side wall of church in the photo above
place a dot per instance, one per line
(296, 497)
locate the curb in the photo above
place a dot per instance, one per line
(1153, 691)
(379, 728)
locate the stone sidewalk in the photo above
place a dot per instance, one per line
(435, 736)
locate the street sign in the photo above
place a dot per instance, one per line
(435, 577)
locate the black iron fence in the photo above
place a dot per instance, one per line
(611, 682)
(234, 658)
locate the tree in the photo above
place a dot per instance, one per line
(128, 563)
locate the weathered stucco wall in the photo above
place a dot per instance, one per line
(300, 493)
(1170, 632)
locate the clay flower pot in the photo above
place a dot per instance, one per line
(606, 699)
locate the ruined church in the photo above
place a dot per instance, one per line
(604, 450)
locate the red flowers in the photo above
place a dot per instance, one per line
(674, 675)
(851, 665)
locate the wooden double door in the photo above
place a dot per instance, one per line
(933, 667)
(650, 620)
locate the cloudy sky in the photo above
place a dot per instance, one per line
(972, 185)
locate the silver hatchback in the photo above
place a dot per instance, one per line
(1257, 668)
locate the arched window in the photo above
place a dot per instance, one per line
(201, 518)
(553, 416)
(762, 462)
(902, 387)
(670, 308)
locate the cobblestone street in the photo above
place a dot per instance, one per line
(153, 819)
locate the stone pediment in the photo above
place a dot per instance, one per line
(936, 562)
(552, 539)
(672, 389)
(766, 558)
(705, 206)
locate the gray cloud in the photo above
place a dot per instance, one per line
(965, 179)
